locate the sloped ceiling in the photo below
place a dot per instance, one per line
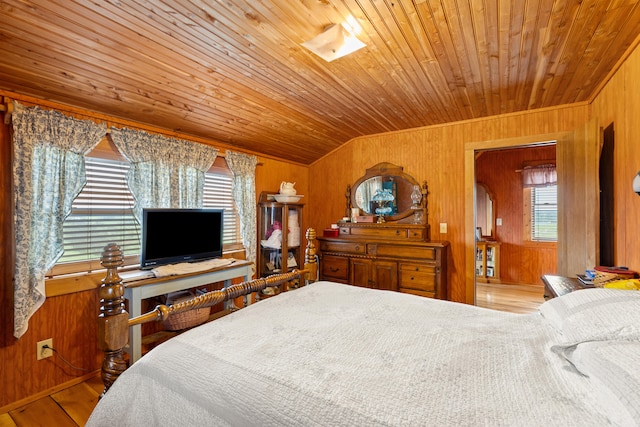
(235, 72)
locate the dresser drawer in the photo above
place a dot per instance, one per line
(334, 268)
(417, 234)
(379, 232)
(397, 251)
(418, 292)
(416, 268)
(344, 231)
(351, 247)
(418, 277)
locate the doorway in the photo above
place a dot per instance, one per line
(515, 253)
(605, 170)
(577, 194)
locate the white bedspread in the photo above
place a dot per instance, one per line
(330, 354)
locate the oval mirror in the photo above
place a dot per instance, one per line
(365, 192)
(384, 176)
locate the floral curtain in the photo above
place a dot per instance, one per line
(539, 176)
(243, 168)
(48, 173)
(165, 172)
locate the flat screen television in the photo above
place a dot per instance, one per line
(171, 236)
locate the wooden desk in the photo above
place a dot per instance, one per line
(136, 291)
(556, 286)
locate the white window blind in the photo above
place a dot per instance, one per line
(544, 213)
(217, 194)
(101, 214)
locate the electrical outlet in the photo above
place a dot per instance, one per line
(443, 227)
(43, 353)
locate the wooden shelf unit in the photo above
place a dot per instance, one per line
(488, 261)
(290, 252)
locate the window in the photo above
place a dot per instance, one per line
(103, 213)
(217, 194)
(544, 213)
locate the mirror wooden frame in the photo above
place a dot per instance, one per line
(485, 211)
(386, 169)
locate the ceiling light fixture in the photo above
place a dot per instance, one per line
(333, 43)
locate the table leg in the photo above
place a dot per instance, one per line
(229, 304)
(134, 296)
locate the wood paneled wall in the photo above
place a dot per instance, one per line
(435, 154)
(520, 262)
(71, 319)
(619, 103)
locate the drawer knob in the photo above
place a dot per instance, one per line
(397, 232)
(417, 268)
(334, 269)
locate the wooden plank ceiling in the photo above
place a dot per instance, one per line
(235, 71)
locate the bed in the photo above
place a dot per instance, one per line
(334, 354)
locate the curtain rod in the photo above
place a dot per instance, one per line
(538, 163)
(7, 107)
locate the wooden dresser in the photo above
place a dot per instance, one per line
(391, 256)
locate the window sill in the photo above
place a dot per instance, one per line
(68, 284)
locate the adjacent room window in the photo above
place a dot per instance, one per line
(540, 201)
(544, 213)
(103, 213)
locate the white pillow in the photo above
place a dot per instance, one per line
(613, 368)
(595, 314)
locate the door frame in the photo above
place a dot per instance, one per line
(470, 150)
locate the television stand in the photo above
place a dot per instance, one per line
(136, 291)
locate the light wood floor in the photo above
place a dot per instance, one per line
(513, 298)
(72, 406)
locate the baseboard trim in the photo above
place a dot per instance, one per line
(27, 400)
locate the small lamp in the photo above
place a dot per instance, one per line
(636, 184)
(383, 198)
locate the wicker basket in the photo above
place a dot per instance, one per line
(186, 319)
(602, 277)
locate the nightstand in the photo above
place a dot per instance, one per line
(556, 286)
